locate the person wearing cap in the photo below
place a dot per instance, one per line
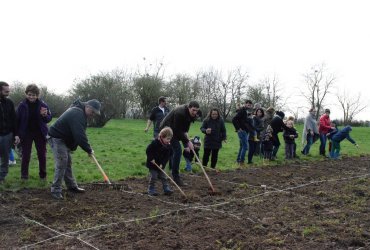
(33, 115)
(324, 128)
(189, 155)
(156, 116)
(65, 135)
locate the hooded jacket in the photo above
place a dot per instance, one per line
(71, 127)
(343, 134)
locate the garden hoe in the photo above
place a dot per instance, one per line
(164, 172)
(211, 190)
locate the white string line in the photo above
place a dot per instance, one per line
(55, 231)
(204, 207)
(285, 189)
(127, 221)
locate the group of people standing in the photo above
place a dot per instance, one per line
(325, 130)
(257, 130)
(28, 124)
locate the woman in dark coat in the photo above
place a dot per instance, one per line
(32, 116)
(215, 132)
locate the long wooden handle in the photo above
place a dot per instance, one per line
(182, 192)
(204, 171)
(106, 179)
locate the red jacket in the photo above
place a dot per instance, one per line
(324, 126)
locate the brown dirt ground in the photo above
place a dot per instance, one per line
(322, 205)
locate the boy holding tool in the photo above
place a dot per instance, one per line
(158, 154)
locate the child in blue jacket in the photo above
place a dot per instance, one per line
(337, 138)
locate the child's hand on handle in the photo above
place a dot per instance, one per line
(190, 146)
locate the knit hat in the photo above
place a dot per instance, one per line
(196, 140)
(281, 114)
(94, 105)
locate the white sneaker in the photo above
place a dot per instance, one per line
(12, 162)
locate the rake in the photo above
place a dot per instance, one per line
(164, 172)
(106, 179)
(212, 189)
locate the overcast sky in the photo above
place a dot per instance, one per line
(53, 43)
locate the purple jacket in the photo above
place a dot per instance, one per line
(22, 118)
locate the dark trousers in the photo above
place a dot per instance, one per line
(252, 150)
(289, 150)
(175, 159)
(40, 143)
(214, 157)
(276, 143)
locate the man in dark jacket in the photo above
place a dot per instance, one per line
(66, 134)
(156, 116)
(278, 125)
(179, 120)
(243, 124)
(7, 129)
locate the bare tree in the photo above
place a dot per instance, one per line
(351, 106)
(228, 91)
(319, 83)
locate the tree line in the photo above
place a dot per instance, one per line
(133, 94)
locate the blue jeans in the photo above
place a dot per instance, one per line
(323, 140)
(335, 150)
(188, 166)
(243, 145)
(176, 158)
(306, 148)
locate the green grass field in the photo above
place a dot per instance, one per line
(120, 149)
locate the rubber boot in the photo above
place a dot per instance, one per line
(167, 190)
(152, 191)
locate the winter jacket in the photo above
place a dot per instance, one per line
(277, 124)
(258, 124)
(158, 152)
(179, 121)
(157, 115)
(343, 134)
(324, 125)
(287, 133)
(23, 118)
(310, 124)
(242, 120)
(71, 127)
(7, 117)
(218, 133)
(332, 132)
